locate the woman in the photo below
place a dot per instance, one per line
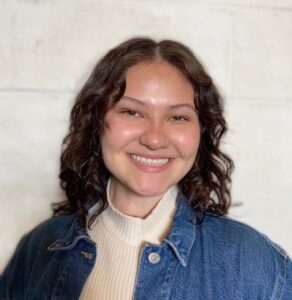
(147, 187)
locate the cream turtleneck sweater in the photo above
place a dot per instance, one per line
(119, 239)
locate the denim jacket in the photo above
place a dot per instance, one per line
(202, 257)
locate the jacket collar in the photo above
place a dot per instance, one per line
(180, 238)
(74, 234)
(182, 235)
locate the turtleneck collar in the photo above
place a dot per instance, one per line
(136, 231)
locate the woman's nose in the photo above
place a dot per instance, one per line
(154, 136)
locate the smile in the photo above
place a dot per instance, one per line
(149, 161)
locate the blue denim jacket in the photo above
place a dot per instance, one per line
(206, 257)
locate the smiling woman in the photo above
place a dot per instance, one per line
(152, 137)
(147, 189)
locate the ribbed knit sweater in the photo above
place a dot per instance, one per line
(119, 239)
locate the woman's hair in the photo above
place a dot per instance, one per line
(83, 174)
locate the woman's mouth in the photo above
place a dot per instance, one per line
(150, 161)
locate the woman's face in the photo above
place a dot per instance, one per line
(153, 132)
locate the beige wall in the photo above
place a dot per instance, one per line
(48, 48)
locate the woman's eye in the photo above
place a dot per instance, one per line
(180, 118)
(131, 112)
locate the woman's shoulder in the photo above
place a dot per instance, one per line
(229, 246)
(53, 228)
(36, 250)
(45, 234)
(220, 234)
(236, 234)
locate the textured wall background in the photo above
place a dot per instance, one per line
(48, 47)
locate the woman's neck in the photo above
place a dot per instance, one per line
(130, 203)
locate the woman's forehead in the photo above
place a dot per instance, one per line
(158, 83)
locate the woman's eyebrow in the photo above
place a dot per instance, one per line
(172, 107)
(134, 100)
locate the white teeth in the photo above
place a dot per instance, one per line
(149, 161)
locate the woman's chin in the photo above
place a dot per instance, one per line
(151, 191)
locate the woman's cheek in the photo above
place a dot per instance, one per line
(121, 131)
(187, 139)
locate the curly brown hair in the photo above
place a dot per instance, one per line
(83, 174)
